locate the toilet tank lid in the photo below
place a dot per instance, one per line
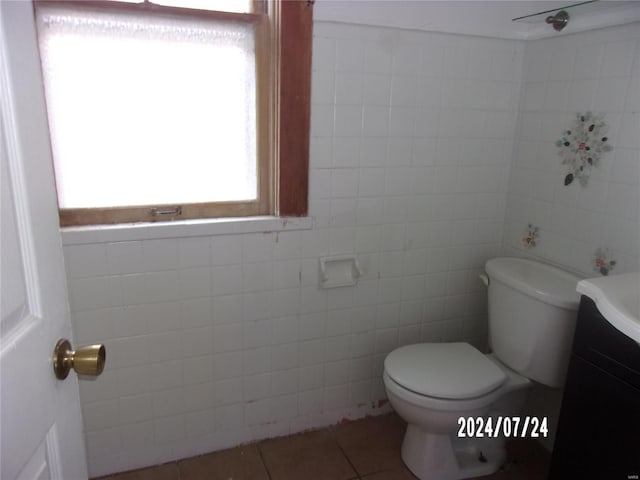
(443, 370)
(544, 282)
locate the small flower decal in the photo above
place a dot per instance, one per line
(603, 263)
(582, 146)
(530, 237)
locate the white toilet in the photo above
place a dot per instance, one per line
(532, 316)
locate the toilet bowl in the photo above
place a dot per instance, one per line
(427, 448)
(432, 386)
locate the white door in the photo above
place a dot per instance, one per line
(41, 424)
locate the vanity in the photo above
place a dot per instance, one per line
(598, 434)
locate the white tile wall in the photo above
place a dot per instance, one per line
(218, 340)
(596, 71)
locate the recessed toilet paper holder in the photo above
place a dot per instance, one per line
(339, 271)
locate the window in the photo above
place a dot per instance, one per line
(161, 113)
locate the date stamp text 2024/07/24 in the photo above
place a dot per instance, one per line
(508, 427)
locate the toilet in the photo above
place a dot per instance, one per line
(532, 316)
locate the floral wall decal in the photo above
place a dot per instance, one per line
(582, 146)
(530, 238)
(602, 262)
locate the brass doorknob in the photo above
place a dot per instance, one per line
(87, 360)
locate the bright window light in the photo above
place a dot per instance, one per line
(149, 110)
(239, 6)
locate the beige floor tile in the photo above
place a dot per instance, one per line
(308, 456)
(168, 471)
(373, 445)
(397, 474)
(241, 463)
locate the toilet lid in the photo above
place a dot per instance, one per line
(443, 370)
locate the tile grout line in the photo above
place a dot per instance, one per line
(357, 477)
(264, 463)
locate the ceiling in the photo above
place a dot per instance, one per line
(479, 17)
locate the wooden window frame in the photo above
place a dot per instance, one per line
(283, 72)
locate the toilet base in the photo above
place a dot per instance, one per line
(433, 456)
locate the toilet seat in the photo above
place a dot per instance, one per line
(447, 371)
(514, 381)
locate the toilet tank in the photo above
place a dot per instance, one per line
(532, 317)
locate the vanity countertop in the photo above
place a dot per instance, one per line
(618, 299)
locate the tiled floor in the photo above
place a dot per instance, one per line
(367, 449)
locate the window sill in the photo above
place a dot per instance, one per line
(185, 228)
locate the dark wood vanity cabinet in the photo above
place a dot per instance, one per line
(598, 434)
